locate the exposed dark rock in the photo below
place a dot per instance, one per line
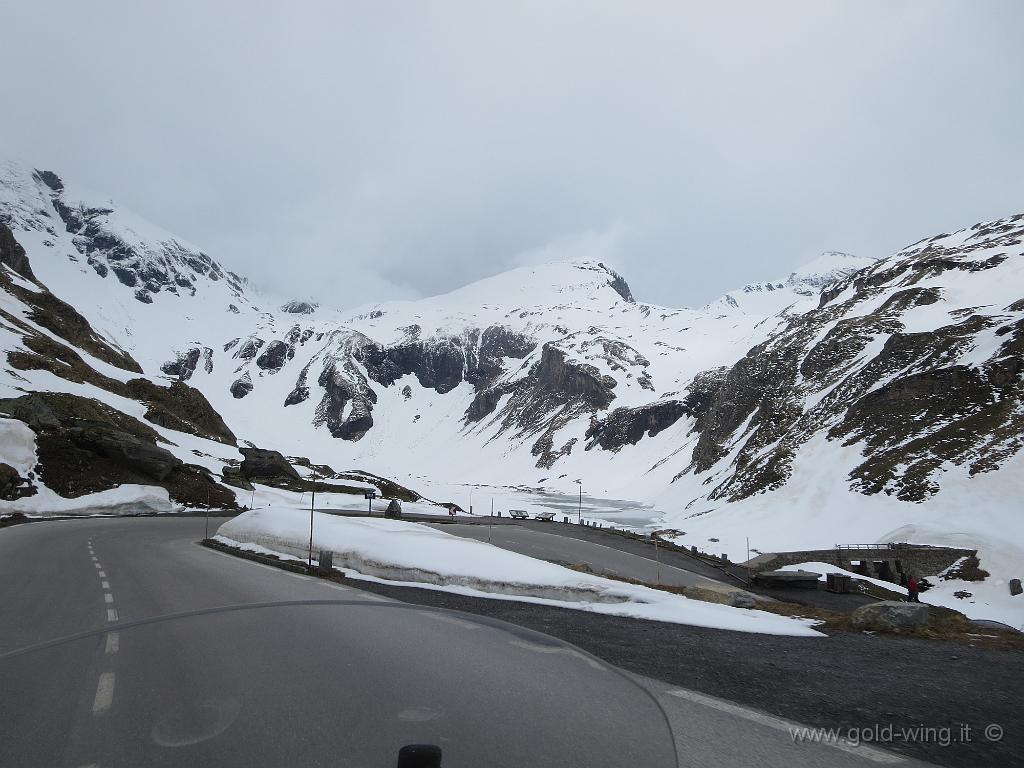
(184, 365)
(275, 356)
(13, 255)
(181, 408)
(625, 426)
(813, 377)
(343, 387)
(65, 322)
(241, 386)
(618, 284)
(261, 464)
(407, 392)
(13, 486)
(299, 307)
(249, 349)
(85, 446)
(50, 179)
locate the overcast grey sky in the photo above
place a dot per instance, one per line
(353, 151)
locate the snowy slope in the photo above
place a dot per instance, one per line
(796, 294)
(845, 402)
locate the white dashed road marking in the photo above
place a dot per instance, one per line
(102, 574)
(108, 597)
(105, 584)
(111, 614)
(104, 694)
(113, 643)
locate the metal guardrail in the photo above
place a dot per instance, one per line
(873, 546)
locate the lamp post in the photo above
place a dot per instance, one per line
(471, 499)
(579, 513)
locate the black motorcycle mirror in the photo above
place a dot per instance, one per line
(419, 756)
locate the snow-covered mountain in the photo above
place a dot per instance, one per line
(793, 295)
(847, 401)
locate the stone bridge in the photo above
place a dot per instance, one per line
(891, 562)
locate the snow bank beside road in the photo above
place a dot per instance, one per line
(123, 500)
(402, 552)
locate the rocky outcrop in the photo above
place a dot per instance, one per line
(184, 364)
(909, 401)
(181, 408)
(347, 405)
(13, 255)
(626, 426)
(241, 386)
(167, 266)
(249, 348)
(299, 307)
(13, 486)
(275, 356)
(265, 465)
(85, 446)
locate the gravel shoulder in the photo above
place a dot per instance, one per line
(847, 680)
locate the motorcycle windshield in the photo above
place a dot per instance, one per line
(330, 683)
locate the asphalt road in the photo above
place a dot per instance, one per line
(260, 667)
(563, 549)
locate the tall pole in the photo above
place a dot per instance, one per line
(312, 501)
(657, 558)
(252, 499)
(207, 514)
(489, 519)
(748, 547)
(471, 499)
(579, 514)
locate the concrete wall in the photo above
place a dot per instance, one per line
(920, 559)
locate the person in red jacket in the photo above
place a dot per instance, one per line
(912, 589)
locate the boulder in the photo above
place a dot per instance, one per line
(263, 464)
(889, 616)
(12, 485)
(740, 599)
(1015, 587)
(241, 387)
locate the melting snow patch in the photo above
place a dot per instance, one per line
(398, 552)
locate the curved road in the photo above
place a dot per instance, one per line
(603, 560)
(263, 667)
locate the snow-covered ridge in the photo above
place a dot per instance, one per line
(796, 293)
(891, 386)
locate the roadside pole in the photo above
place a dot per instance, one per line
(579, 513)
(312, 502)
(207, 514)
(489, 519)
(657, 558)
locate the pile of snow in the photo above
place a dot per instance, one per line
(17, 445)
(406, 553)
(123, 500)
